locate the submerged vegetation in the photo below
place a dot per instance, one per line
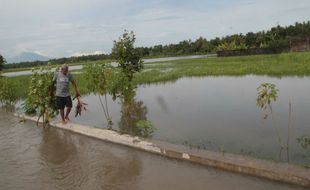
(286, 64)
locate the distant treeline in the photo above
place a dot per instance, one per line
(66, 60)
(275, 40)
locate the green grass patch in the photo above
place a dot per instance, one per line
(286, 64)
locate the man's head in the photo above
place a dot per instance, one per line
(64, 69)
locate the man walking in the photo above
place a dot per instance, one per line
(62, 79)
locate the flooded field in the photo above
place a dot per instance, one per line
(216, 113)
(79, 67)
(47, 158)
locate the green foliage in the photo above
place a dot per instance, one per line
(20, 85)
(126, 55)
(8, 96)
(267, 93)
(98, 77)
(40, 99)
(121, 87)
(129, 60)
(103, 79)
(2, 62)
(276, 38)
(233, 45)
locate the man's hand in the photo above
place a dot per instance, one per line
(77, 94)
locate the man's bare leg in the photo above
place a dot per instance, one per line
(62, 115)
(67, 113)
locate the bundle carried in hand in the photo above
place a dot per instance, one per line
(79, 107)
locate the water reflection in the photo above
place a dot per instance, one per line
(134, 116)
(220, 113)
(122, 174)
(56, 147)
(60, 160)
(132, 112)
(8, 107)
(65, 159)
(163, 104)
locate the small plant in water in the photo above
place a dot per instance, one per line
(267, 94)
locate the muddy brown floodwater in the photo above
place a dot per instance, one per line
(33, 158)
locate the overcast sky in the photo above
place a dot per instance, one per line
(57, 28)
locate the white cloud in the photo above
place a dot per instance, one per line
(59, 28)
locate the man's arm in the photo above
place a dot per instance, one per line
(75, 88)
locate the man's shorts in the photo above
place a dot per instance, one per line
(62, 102)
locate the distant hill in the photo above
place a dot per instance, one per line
(27, 56)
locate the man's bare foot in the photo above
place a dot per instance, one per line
(67, 119)
(64, 122)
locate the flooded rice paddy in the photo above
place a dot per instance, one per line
(216, 113)
(47, 158)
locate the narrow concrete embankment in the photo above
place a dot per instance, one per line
(282, 172)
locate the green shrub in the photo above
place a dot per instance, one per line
(40, 99)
